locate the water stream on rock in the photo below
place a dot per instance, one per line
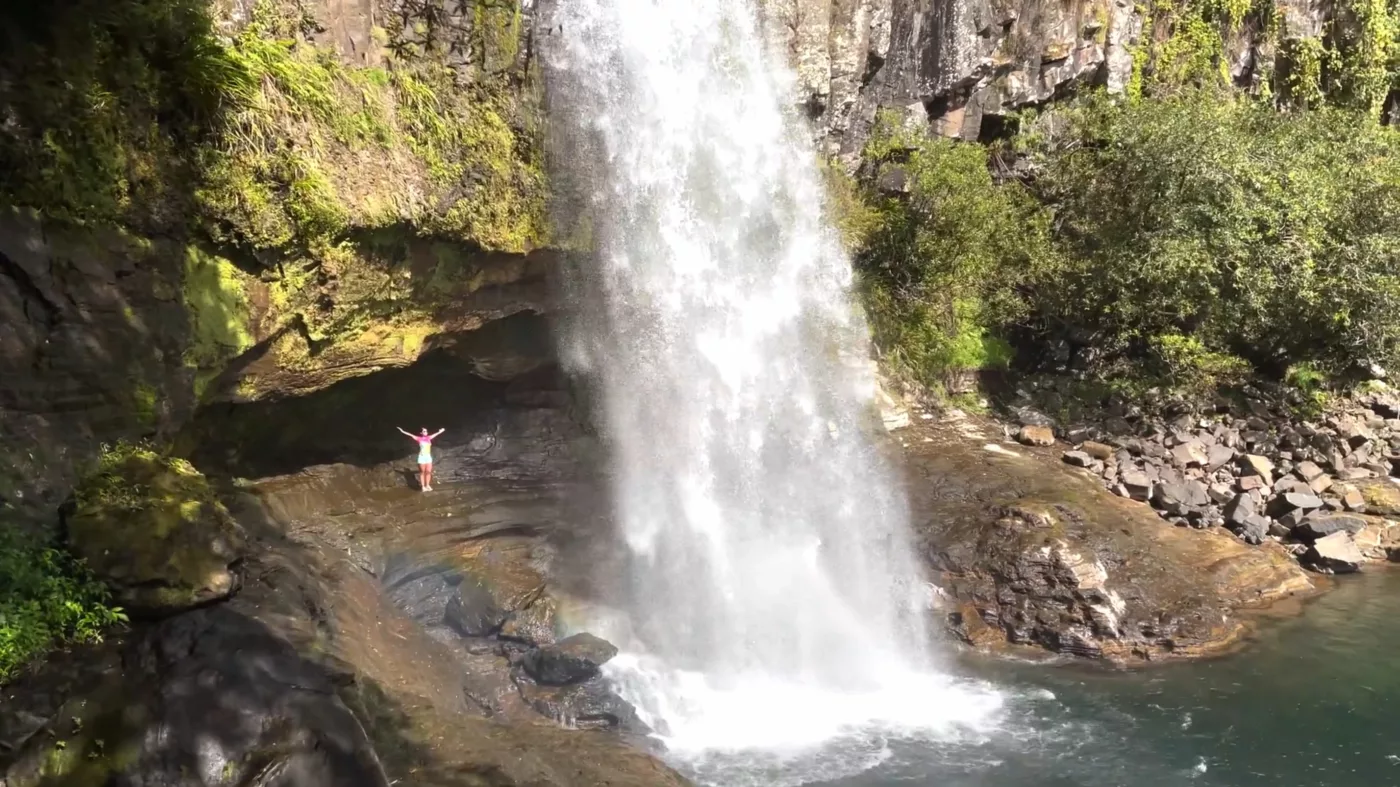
(771, 617)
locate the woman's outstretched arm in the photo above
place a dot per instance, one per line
(406, 434)
(438, 432)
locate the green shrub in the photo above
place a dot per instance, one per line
(47, 599)
(1223, 227)
(942, 266)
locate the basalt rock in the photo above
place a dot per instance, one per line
(572, 660)
(1335, 553)
(1318, 526)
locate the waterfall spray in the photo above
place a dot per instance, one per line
(773, 596)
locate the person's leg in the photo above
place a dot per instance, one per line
(423, 477)
(430, 476)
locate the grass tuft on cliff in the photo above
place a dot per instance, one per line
(140, 113)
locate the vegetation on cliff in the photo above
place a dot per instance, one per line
(142, 113)
(1190, 239)
(1231, 214)
(280, 164)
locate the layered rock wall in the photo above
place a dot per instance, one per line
(963, 65)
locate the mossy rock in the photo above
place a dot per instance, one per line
(152, 528)
(1382, 495)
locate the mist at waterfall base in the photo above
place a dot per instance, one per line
(773, 613)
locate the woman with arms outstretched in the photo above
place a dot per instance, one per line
(425, 456)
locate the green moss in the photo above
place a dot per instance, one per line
(143, 402)
(216, 301)
(153, 526)
(97, 125)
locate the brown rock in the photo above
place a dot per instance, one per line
(1253, 464)
(1308, 471)
(1249, 483)
(1078, 459)
(1379, 540)
(1353, 500)
(1097, 450)
(1036, 435)
(1190, 454)
(1137, 485)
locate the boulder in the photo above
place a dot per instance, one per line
(1255, 465)
(533, 625)
(1336, 553)
(573, 660)
(1179, 499)
(1217, 456)
(1318, 525)
(1078, 459)
(1291, 501)
(1353, 500)
(153, 529)
(1030, 553)
(1379, 540)
(1032, 434)
(1137, 485)
(1097, 450)
(1308, 471)
(1240, 509)
(1253, 529)
(591, 704)
(1029, 416)
(490, 593)
(1248, 483)
(1190, 454)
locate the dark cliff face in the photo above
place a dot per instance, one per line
(90, 351)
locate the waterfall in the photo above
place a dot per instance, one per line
(772, 594)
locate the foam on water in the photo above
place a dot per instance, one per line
(773, 605)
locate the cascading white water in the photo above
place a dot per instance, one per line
(773, 600)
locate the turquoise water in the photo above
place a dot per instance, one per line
(1313, 702)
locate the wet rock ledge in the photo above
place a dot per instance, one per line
(1030, 554)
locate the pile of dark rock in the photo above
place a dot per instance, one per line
(1252, 468)
(500, 622)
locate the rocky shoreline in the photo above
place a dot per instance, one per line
(1325, 488)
